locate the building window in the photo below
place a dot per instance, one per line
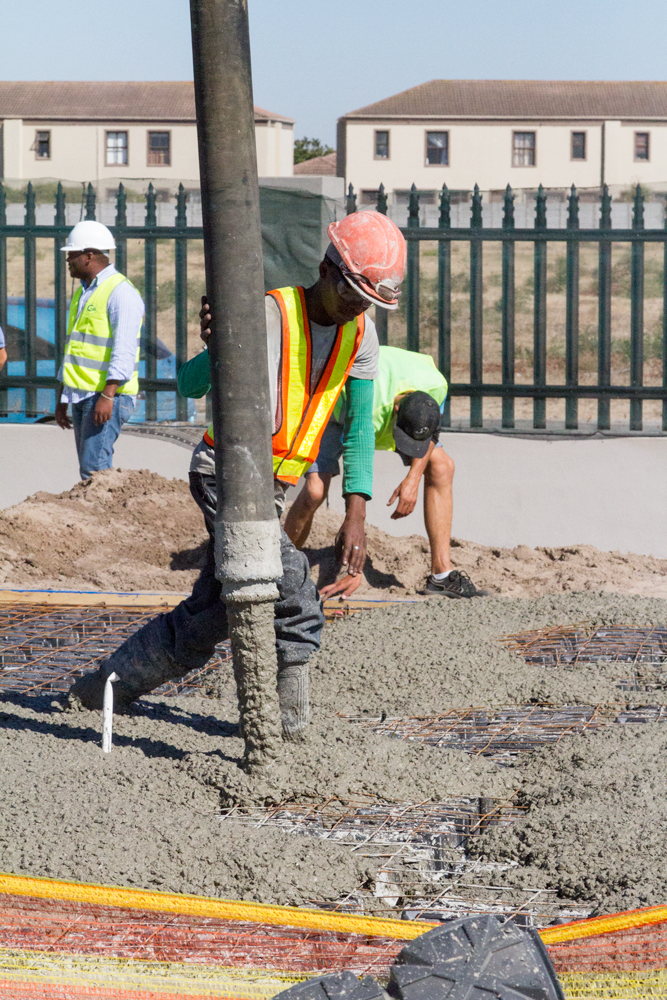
(523, 149)
(641, 146)
(382, 145)
(369, 197)
(578, 145)
(116, 149)
(437, 149)
(159, 149)
(42, 145)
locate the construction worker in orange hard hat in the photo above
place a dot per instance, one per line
(319, 340)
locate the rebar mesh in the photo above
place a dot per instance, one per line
(497, 733)
(643, 649)
(44, 648)
(420, 849)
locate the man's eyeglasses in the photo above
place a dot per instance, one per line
(386, 290)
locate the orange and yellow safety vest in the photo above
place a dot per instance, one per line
(304, 415)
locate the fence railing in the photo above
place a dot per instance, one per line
(571, 388)
(150, 233)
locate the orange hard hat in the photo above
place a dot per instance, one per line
(373, 254)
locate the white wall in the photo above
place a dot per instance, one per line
(481, 152)
(78, 152)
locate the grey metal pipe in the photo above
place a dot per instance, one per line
(247, 531)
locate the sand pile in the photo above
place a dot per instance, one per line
(399, 566)
(596, 827)
(120, 531)
(138, 531)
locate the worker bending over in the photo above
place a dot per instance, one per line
(408, 396)
(99, 374)
(318, 340)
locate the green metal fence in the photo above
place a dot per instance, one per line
(475, 235)
(540, 236)
(150, 233)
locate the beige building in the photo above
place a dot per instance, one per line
(495, 132)
(78, 132)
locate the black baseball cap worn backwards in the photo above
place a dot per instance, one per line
(417, 420)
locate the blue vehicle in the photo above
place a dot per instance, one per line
(46, 365)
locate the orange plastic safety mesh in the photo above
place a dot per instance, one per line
(86, 929)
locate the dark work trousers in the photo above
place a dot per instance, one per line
(173, 644)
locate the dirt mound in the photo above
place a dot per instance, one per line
(398, 567)
(135, 530)
(120, 531)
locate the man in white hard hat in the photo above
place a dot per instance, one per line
(99, 371)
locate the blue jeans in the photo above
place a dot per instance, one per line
(94, 442)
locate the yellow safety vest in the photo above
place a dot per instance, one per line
(304, 415)
(89, 342)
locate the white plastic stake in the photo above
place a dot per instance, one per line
(107, 713)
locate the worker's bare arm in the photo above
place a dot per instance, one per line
(104, 404)
(350, 547)
(407, 491)
(62, 419)
(3, 357)
(351, 538)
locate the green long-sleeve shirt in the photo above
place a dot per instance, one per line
(194, 381)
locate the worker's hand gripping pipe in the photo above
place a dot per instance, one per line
(247, 530)
(107, 713)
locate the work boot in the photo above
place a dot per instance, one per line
(142, 664)
(457, 584)
(88, 691)
(294, 704)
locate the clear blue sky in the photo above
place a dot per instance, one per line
(313, 61)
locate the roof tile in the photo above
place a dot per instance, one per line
(524, 99)
(105, 101)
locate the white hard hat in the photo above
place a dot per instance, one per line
(89, 236)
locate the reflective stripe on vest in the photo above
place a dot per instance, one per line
(89, 342)
(303, 416)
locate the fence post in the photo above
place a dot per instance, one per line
(181, 293)
(3, 284)
(572, 313)
(508, 304)
(150, 298)
(381, 315)
(90, 203)
(412, 306)
(604, 310)
(350, 201)
(637, 311)
(60, 279)
(476, 312)
(30, 300)
(540, 312)
(445, 300)
(121, 224)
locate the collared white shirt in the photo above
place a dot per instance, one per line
(125, 310)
